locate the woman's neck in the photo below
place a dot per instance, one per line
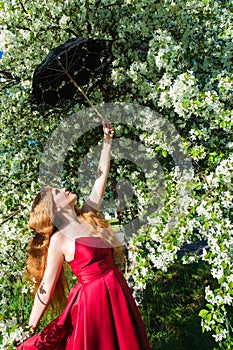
(68, 223)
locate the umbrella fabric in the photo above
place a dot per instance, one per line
(86, 60)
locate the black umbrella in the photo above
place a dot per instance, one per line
(68, 68)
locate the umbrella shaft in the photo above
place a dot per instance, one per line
(79, 88)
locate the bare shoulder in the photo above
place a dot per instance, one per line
(67, 247)
(55, 249)
(60, 244)
(57, 240)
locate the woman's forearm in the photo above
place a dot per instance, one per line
(104, 161)
(39, 307)
(98, 189)
(54, 262)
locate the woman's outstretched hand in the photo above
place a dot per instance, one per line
(108, 130)
(29, 331)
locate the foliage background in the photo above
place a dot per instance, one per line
(173, 57)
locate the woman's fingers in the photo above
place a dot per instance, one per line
(106, 124)
(107, 128)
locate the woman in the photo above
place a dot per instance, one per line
(100, 312)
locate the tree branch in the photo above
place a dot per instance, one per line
(24, 9)
(8, 79)
(9, 217)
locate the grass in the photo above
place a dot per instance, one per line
(171, 305)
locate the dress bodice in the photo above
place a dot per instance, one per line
(93, 258)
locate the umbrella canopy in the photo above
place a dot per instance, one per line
(78, 62)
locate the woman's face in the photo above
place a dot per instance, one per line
(63, 198)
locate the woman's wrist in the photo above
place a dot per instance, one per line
(108, 140)
(31, 328)
(29, 331)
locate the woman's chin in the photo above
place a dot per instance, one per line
(72, 199)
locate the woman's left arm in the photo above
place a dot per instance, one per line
(97, 193)
(55, 259)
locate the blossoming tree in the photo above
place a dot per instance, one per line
(171, 57)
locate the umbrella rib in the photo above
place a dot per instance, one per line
(51, 76)
(67, 66)
(70, 63)
(51, 81)
(55, 69)
(71, 60)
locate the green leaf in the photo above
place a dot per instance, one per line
(205, 314)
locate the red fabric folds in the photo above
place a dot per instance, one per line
(101, 313)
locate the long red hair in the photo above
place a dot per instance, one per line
(41, 220)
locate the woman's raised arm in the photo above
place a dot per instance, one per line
(97, 193)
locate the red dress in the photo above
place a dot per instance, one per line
(101, 313)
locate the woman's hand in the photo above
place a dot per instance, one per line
(108, 130)
(28, 332)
